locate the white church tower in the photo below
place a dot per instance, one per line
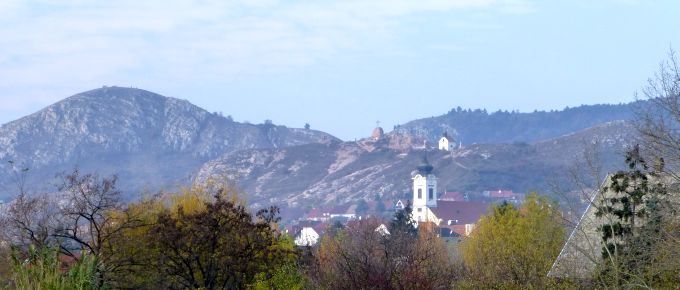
(424, 192)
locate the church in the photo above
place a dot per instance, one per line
(427, 207)
(447, 143)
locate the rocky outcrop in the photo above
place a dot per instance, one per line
(340, 172)
(144, 136)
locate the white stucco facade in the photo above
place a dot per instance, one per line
(424, 196)
(446, 144)
(307, 237)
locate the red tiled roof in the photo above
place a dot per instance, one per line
(465, 212)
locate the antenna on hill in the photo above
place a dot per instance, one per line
(377, 123)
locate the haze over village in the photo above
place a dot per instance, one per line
(341, 145)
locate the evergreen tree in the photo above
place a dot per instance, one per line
(632, 205)
(403, 221)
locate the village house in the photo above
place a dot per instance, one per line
(500, 196)
(307, 237)
(307, 232)
(451, 214)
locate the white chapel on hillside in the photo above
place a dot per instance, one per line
(446, 142)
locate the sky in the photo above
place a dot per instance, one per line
(338, 65)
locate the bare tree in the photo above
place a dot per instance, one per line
(658, 121)
(29, 218)
(91, 216)
(86, 216)
(362, 257)
(640, 253)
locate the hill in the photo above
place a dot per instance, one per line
(479, 126)
(151, 141)
(158, 143)
(340, 172)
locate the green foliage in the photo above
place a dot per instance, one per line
(513, 247)
(5, 264)
(219, 247)
(623, 200)
(403, 221)
(286, 277)
(632, 209)
(41, 269)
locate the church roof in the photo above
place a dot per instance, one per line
(425, 167)
(447, 137)
(464, 212)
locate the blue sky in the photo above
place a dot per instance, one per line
(339, 66)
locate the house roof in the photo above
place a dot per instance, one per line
(464, 212)
(452, 196)
(319, 227)
(502, 193)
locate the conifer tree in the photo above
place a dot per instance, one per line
(403, 221)
(632, 208)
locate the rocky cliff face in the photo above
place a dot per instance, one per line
(339, 172)
(151, 139)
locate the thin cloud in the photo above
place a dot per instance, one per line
(59, 46)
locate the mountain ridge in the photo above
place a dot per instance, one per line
(99, 129)
(158, 143)
(480, 126)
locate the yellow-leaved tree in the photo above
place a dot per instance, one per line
(513, 247)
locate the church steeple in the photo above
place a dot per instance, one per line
(425, 168)
(424, 191)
